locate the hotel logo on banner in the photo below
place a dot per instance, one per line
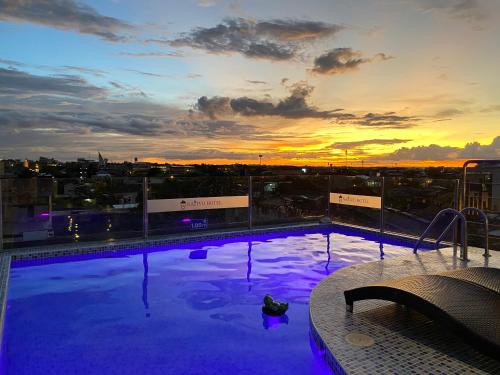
(356, 200)
(200, 203)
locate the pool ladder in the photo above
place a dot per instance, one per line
(458, 216)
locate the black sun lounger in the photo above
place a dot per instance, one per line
(466, 301)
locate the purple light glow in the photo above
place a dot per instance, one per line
(44, 214)
(273, 322)
(186, 220)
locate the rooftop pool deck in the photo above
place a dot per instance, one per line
(384, 337)
(119, 296)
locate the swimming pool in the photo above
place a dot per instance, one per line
(183, 309)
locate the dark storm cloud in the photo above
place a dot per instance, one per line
(214, 128)
(69, 104)
(207, 154)
(147, 125)
(77, 122)
(389, 120)
(294, 106)
(342, 60)
(473, 150)
(338, 60)
(355, 144)
(214, 107)
(273, 40)
(15, 82)
(296, 30)
(65, 15)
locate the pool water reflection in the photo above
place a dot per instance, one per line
(184, 309)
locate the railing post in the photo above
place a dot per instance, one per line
(1, 216)
(145, 215)
(328, 210)
(250, 202)
(464, 248)
(456, 197)
(382, 206)
(457, 207)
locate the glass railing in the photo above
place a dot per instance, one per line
(50, 211)
(485, 196)
(347, 212)
(44, 211)
(193, 192)
(288, 199)
(411, 204)
(26, 210)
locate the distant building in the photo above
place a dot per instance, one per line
(47, 162)
(181, 169)
(483, 187)
(102, 162)
(84, 161)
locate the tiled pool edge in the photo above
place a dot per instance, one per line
(326, 354)
(329, 322)
(4, 288)
(99, 247)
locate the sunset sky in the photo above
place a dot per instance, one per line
(412, 82)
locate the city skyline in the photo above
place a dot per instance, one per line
(411, 82)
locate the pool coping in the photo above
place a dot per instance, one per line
(398, 333)
(87, 248)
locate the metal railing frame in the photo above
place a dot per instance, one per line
(457, 215)
(250, 202)
(458, 199)
(486, 227)
(145, 213)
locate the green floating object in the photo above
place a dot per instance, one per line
(272, 307)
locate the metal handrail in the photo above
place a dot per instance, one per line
(486, 226)
(445, 232)
(457, 215)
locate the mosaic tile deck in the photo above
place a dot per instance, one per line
(406, 342)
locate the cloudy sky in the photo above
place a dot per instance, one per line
(391, 81)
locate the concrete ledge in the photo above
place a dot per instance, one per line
(404, 340)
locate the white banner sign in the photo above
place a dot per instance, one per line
(201, 203)
(356, 200)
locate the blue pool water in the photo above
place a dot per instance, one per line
(184, 309)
